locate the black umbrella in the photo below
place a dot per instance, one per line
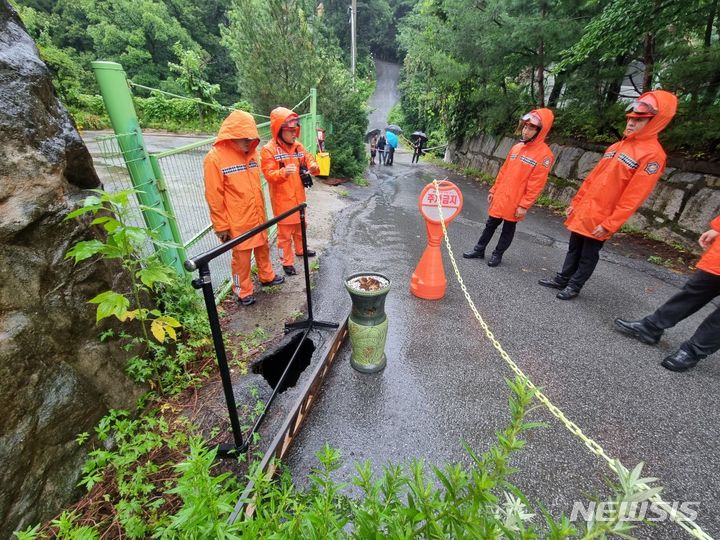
(372, 133)
(418, 135)
(395, 129)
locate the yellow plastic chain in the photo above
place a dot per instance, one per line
(678, 517)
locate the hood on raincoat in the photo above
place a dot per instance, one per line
(667, 106)
(278, 117)
(239, 125)
(546, 117)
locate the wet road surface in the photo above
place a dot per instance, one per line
(444, 381)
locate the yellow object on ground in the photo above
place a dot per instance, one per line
(323, 161)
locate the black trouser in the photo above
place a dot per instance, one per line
(506, 236)
(390, 156)
(699, 290)
(580, 262)
(416, 155)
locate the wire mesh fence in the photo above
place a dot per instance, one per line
(180, 177)
(111, 166)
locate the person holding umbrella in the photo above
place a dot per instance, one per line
(419, 142)
(392, 143)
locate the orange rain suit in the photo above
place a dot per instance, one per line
(286, 192)
(624, 177)
(523, 175)
(710, 261)
(236, 200)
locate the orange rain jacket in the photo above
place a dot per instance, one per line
(232, 181)
(624, 177)
(286, 192)
(524, 173)
(710, 261)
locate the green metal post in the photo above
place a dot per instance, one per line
(313, 120)
(115, 91)
(170, 213)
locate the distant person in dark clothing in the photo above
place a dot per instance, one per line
(418, 146)
(381, 144)
(373, 149)
(389, 154)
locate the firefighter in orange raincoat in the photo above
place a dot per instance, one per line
(520, 180)
(614, 190)
(700, 289)
(237, 203)
(282, 160)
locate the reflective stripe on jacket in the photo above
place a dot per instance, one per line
(522, 177)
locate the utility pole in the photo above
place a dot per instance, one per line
(353, 31)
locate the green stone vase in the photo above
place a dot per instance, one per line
(368, 324)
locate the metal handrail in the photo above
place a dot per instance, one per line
(204, 282)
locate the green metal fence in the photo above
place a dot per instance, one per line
(173, 179)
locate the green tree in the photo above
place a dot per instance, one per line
(191, 76)
(281, 49)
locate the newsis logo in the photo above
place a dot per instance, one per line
(631, 511)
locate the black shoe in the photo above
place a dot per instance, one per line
(552, 283)
(494, 260)
(638, 330)
(568, 293)
(247, 301)
(310, 253)
(680, 360)
(277, 280)
(474, 254)
(289, 270)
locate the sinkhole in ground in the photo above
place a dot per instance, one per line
(273, 363)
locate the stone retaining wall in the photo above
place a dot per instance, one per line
(678, 210)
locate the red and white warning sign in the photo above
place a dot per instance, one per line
(451, 201)
(428, 281)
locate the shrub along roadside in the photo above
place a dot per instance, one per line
(154, 498)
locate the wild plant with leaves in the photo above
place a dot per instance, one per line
(149, 279)
(411, 501)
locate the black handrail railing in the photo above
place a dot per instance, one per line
(201, 263)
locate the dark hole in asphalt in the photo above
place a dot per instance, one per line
(272, 367)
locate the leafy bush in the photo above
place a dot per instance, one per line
(412, 501)
(153, 361)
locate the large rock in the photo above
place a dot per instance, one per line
(700, 210)
(587, 163)
(566, 160)
(58, 380)
(503, 147)
(666, 201)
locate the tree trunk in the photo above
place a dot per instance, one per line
(612, 90)
(556, 90)
(709, 24)
(649, 61)
(532, 85)
(541, 73)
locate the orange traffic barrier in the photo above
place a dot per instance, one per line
(428, 281)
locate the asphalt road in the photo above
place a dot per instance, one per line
(386, 94)
(443, 383)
